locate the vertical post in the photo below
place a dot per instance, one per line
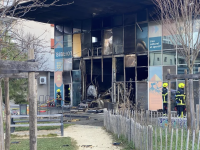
(176, 138)
(188, 102)
(165, 138)
(160, 139)
(191, 96)
(102, 68)
(7, 103)
(197, 116)
(188, 136)
(198, 142)
(181, 138)
(33, 106)
(193, 139)
(171, 139)
(1, 120)
(117, 95)
(62, 127)
(169, 103)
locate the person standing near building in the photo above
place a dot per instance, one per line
(165, 98)
(180, 100)
(58, 97)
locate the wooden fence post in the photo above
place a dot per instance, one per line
(181, 138)
(187, 142)
(1, 120)
(171, 139)
(32, 106)
(197, 116)
(198, 142)
(7, 103)
(169, 103)
(193, 139)
(160, 139)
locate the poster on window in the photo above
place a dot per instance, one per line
(155, 88)
(155, 43)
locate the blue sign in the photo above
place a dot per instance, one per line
(63, 53)
(58, 65)
(155, 43)
(62, 93)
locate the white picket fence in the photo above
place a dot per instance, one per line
(149, 137)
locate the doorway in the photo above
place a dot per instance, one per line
(67, 90)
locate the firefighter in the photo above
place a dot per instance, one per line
(180, 100)
(69, 95)
(58, 97)
(165, 98)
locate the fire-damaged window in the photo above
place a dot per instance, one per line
(96, 43)
(118, 40)
(76, 26)
(86, 44)
(119, 69)
(142, 16)
(86, 25)
(129, 39)
(108, 42)
(107, 23)
(96, 23)
(117, 21)
(142, 38)
(76, 64)
(129, 19)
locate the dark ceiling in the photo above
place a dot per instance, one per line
(84, 9)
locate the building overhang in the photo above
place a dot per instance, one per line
(84, 9)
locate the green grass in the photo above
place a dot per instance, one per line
(124, 142)
(41, 128)
(14, 136)
(45, 144)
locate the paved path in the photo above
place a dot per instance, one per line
(90, 135)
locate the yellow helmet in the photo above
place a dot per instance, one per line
(165, 84)
(181, 85)
(58, 90)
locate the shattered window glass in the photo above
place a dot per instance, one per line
(108, 42)
(86, 44)
(118, 40)
(142, 38)
(86, 25)
(129, 39)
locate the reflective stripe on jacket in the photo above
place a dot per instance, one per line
(165, 94)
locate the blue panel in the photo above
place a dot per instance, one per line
(76, 93)
(62, 92)
(67, 52)
(76, 76)
(58, 64)
(155, 73)
(59, 53)
(155, 43)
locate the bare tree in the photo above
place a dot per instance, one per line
(9, 11)
(181, 20)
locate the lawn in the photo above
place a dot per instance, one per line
(41, 128)
(46, 144)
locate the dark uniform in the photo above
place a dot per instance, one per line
(58, 98)
(180, 100)
(165, 98)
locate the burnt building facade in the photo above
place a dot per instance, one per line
(117, 46)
